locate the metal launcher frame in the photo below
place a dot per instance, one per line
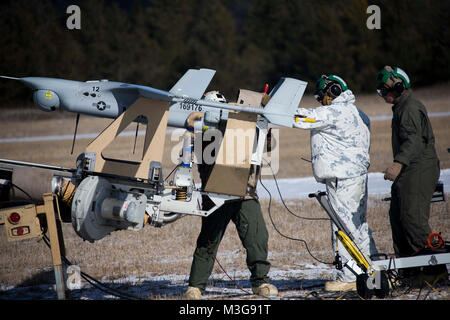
(374, 279)
(141, 180)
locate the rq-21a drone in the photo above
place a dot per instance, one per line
(103, 194)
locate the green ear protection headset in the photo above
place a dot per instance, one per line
(331, 85)
(392, 79)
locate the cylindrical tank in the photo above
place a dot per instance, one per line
(186, 157)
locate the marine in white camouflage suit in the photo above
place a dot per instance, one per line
(340, 141)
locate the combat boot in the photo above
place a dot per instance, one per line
(338, 285)
(265, 290)
(193, 293)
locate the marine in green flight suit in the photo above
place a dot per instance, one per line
(415, 170)
(247, 216)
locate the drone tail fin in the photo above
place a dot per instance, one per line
(284, 100)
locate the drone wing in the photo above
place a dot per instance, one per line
(193, 83)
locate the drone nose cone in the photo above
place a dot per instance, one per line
(46, 100)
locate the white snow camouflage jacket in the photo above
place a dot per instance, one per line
(340, 138)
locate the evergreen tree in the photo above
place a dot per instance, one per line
(249, 43)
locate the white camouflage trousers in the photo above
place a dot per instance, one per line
(348, 197)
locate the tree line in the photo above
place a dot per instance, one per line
(249, 43)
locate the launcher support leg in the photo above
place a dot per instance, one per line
(56, 242)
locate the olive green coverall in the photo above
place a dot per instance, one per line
(247, 216)
(412, 190)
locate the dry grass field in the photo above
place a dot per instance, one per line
(293, 143)
(168, 250)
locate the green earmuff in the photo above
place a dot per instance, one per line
(393, 78)
(331, 85)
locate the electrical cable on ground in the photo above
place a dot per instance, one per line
(94, 282)
(281, 234)
(270, 200)
(99, 285)
(282, 200)
(223, 269)
(301, 240)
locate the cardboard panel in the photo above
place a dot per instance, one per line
(156, 112)
(231, 170)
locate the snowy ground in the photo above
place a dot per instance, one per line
(220, 286)
(298, 188)
(305, 282)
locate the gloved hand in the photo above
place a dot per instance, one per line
(297, 124)
(393, 171)
(299, 121)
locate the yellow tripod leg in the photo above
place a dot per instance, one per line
(353, 250)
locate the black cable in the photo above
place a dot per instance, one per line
(301, 240)
(282, 200)
(420, 291)
(26, 193)
(171, 172)
(94, 282)
(281, 234)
